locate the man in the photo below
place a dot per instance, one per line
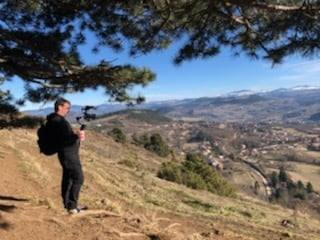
(68, 143)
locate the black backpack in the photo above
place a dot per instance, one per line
(46, 141)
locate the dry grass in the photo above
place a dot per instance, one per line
(307, 173)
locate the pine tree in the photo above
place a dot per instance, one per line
(274, 179)
(300, 185)
(40, 39)
(283, 176)
(309, 187)
(118, 135)
(157, 145)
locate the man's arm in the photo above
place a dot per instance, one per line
(66, 135)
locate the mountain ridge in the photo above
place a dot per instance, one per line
(281, 105)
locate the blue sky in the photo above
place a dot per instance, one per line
(198, 78)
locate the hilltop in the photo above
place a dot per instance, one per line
(121, 180)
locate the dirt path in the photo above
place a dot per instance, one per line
(267, 188)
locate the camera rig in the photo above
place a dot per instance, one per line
(86, 116)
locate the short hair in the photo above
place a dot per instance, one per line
(60, 102)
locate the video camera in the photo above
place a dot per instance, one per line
(86, 116)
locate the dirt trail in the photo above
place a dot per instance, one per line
(267, 188)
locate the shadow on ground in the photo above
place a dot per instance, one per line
(8, 208)
(9, 198)
(3, 224)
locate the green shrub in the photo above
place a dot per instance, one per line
(309, 187)
(140, 140)
(171, 172)
(301, 195)
(117, 135)
(279, 193)
(157, 145)
(274, 179)
(194, 181)
(201, 136)
(154, 143)
(283, 176)
(196, 174)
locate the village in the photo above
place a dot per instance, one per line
(224, 142)
(221, 142)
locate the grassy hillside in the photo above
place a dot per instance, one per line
(121, 181)
(142, 115)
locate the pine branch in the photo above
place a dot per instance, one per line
(272, 7)
(48, 85)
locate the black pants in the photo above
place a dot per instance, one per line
(72, 176)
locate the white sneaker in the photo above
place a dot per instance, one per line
(74, 211)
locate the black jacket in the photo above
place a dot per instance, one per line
(62, 132)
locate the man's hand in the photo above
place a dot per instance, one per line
(81, 135)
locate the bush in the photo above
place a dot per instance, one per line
(283, 176)
(140, 140)
(274, 179)
(300, 195)
(201, 136)
(279, 193)
(171, 172)
(154, 143)
(309, 187)
(195, 173)
(157, 145)
(300, 185)
(117, 135)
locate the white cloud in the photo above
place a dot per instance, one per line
(300, 72)
(161, 97)
(303, 65)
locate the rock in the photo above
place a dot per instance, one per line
(286, 234)
(287, 223)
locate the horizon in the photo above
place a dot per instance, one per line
(227, 94)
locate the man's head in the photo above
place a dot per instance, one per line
(62, 107)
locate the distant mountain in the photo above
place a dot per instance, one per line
(298, 104)
(281, 105)
(315, 117)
